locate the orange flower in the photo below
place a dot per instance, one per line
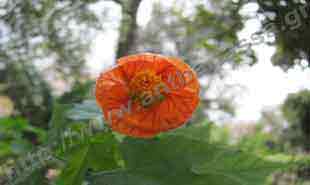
(146, 94)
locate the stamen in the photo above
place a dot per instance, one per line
(147, 88)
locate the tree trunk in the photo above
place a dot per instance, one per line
(128, 26)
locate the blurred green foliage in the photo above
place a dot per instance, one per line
(297, 111)
(14, 135)
(36, 33)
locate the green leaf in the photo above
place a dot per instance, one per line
(18, 124)
(183, 160)
(200, 132)
(35, 178)
(6, 150)
(77, 166)
(105, 152)
(12, 136)
(100, 153)
(88, 110)
(58, 122)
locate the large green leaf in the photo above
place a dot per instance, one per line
(180, 160)
(200, 132)
(99, 153)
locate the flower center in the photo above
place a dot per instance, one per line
(147, 88)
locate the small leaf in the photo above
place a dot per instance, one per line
(58, 123)
(88, 110)
(100, 153)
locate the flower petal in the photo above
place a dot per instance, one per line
(130, 130)
(133, 64)
(181, 77)
(111, 90)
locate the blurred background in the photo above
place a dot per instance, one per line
(253, 58)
